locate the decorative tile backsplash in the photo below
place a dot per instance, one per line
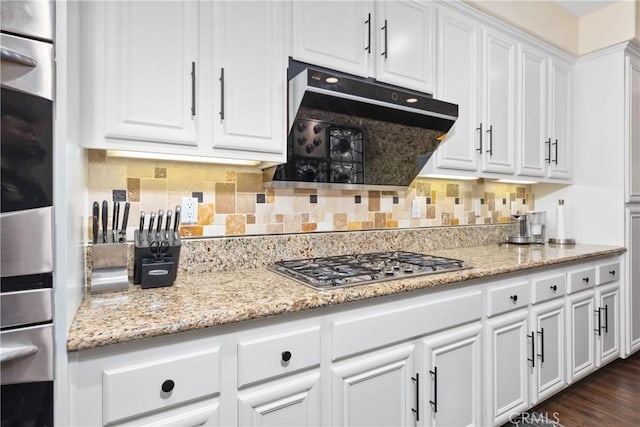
(233, 201)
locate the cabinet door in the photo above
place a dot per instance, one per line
(580, 342)
(450, 378)
(374, 389)
(250, 71)
(334, 34)
(632, 298)
(406, 32)
(151, 52)
(534, 141)
(507, 366)
(607, 324)
(499, 102)
(459, 77)
(560, 119)
(632, 129)
(547, 320)
(282, 403)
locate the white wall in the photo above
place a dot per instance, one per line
(608, 26)
(595, 201)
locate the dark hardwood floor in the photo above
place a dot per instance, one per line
(609, 397)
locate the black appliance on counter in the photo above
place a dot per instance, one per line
(26, 218)
(362, 269)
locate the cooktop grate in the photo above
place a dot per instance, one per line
(351, 270)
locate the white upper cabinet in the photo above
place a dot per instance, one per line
(499, 102)
(632, 125)
(150, 69)
(206, 79)
(249, 77)
(391, 41)
(560, 119)
(458, 59)
(334, 34)
(406, 30)
(535, 142)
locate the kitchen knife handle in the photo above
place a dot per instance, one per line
(125, 220)
(95, 229)
(386, 33)
(167, 225)
(160, 216)
(95, 213)
(105, 215)
(368, 22)
(176, 219)
(193, 89)
(152, 219)
(115, 219)
(141, 227)
(222, 93)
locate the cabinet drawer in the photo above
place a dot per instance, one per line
(550, 287)
(509, 297)
(142, 388)
(264, 358)
(581, 279)
(608, 273)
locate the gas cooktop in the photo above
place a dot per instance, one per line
(351, 270)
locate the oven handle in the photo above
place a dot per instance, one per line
(8, 353)
(17, 58)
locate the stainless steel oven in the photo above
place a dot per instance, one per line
(26, 217)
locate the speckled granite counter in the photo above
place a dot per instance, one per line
(211, 299)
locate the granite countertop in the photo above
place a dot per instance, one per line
(204, 300)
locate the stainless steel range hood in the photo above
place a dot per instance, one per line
(350, 132)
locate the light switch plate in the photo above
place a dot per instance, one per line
(189, 214)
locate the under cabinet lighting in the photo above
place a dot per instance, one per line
(332, 80)
(437, 176)
(515, 181)
(412, 100)
(179, 158)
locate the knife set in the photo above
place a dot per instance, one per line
(109, 251)
(157, 250)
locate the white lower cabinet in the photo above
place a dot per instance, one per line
(547, 324)
(450, 378)
(508, 359)
(479, 354)
(291, 402)
(374, 389)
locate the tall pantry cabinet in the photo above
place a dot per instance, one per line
(607, 169)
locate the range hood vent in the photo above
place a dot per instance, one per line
(323, 89)
(349, 132)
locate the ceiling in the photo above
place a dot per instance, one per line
(584, 7)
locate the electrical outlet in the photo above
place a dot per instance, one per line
(189, 213)
(415, 209)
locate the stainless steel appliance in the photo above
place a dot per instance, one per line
(531, 228)
(26, 218)
(381, 135)
(351, 270)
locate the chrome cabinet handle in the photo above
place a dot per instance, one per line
(434, 402)
(533, 349)
(10, 55)
(222, 93)
(193, 89)
(548, 144)
(386, 34)
(490, 132)
(368, 22)
(541, 333)
(479, 150)
(416, 411)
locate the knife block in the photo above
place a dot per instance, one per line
(146, 262)
(109, 272)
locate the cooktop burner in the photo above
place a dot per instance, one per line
(351, 270)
